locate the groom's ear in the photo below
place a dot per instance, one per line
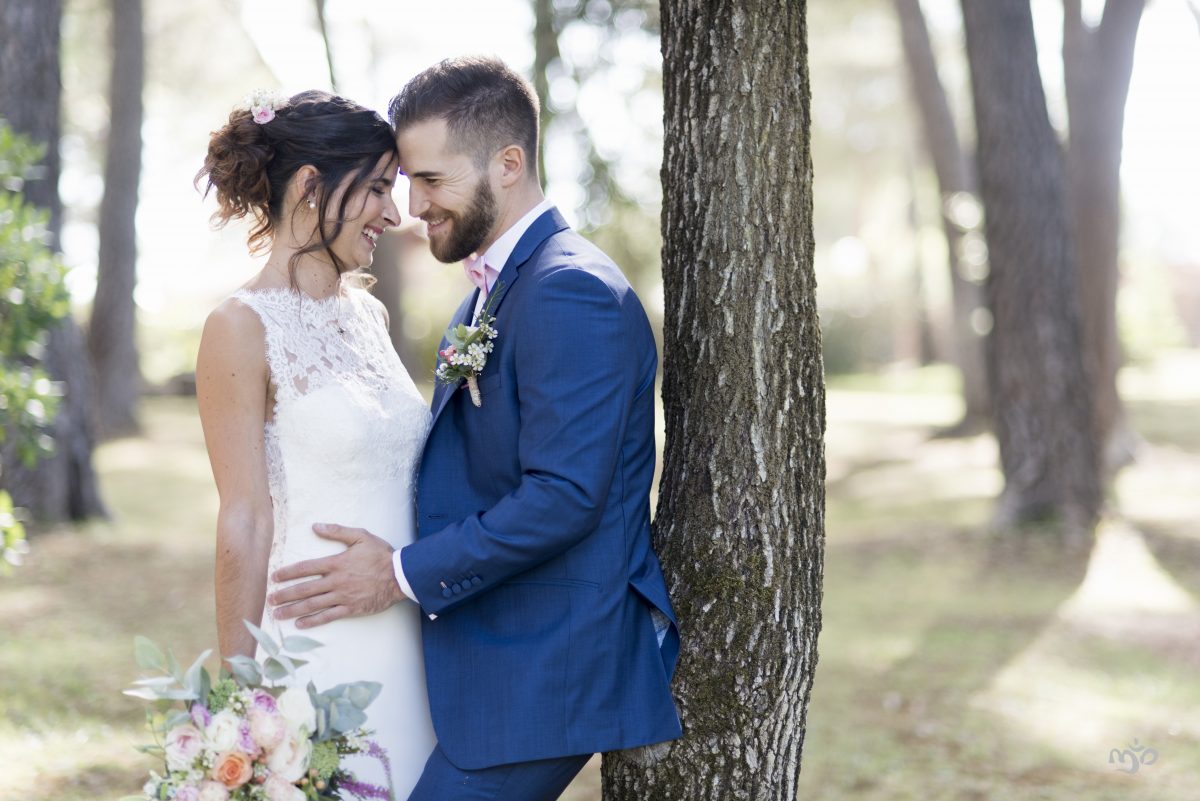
(511, 165)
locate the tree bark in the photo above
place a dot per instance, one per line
(1097, 65)
(955, 179)
(1041, 403)
(323, 29)
(740, 519)
(112, 333)
(62, 486)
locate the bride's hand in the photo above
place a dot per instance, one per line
(358, 581)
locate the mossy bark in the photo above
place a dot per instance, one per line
(740, 520)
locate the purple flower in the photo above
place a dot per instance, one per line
(187, 792)
(246, 742)
(264, 700)
(201, 716)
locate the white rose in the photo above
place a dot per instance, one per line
(297, 709)
(213, 791)
(290, 760)
(278, 788)
(222, 733)
(183, 745)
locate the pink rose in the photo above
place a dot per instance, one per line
(213, 791)
(183, 744)
(266, 728)
(233, 769)
(264, 114)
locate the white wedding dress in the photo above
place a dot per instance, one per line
(343, 447)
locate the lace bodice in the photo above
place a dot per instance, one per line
(348, 423)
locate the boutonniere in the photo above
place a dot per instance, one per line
(467, 353)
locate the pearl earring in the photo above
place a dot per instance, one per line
(312, 204)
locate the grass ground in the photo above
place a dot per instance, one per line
(950, 668)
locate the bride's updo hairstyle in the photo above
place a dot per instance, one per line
(250, 163)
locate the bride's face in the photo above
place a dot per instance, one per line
(369, 212)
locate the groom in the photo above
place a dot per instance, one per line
(548, 634)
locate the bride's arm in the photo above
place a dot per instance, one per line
(232, 392)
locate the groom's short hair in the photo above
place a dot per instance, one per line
(486, 105)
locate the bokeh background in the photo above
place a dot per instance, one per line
(950, 667)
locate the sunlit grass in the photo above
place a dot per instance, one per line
(950, 668)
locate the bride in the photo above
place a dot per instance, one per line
(308, 414)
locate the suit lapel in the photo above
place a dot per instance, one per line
(443, 392)
(542, 229)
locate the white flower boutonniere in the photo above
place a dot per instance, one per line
(467, 352)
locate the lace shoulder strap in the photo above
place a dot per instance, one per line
(292, 323)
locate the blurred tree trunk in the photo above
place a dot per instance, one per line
(740, 521)
(389, 288)
(323, 29)
(955, 179)
(62, 485)
(1041, 403)
(112, 333)
(1097, 64)
(545, 53)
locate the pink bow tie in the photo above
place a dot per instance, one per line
(477, 272)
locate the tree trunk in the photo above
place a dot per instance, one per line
(1041, 403)
(1097, 64)
(323, 29)
(740, 519)
(545, 53)
(112, 333)
(955, 178)
(62, 486)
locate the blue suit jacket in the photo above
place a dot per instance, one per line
(533, 544)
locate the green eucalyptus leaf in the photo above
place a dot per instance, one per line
(173, 666)
(144, 693)
(265, 640)
(298, 644)
(245, 670)
(191, 679)
(148, 655)
(362, 693)
(274, 669)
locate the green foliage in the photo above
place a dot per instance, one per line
(32, 296)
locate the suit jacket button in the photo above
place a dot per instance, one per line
(446, 592)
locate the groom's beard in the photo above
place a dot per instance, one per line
(469, 230)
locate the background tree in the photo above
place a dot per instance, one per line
(1097, 65)
(740, 520)
(112, 332)
(32, 298)
(64, 484)
(956, 187)
(1041, 403)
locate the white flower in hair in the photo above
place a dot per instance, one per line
(263, 103)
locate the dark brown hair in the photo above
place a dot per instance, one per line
(250, 164)
(486, 106)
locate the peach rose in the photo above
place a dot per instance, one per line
(233, 769)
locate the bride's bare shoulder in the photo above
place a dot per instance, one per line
(233, 335)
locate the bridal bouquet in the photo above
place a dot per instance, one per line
(245, 738)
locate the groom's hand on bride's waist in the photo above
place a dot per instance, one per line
(358, 581)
